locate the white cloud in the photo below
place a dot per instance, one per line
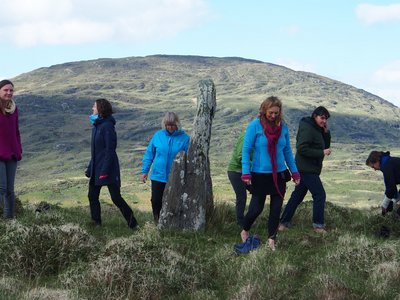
(385, 82)
(30, 23)
(389, 73)
(371, 14)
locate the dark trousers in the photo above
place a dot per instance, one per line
(309, 182)
(157, 191)
(240, 189)
(115, 193)
(263, 185)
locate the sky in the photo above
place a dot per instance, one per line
(355, 42)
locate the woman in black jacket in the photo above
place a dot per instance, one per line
(103, 168)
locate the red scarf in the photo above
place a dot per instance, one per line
(272, 133)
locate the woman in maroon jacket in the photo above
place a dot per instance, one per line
(10, 147)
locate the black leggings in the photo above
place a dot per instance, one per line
(157, 191)
(263, 185)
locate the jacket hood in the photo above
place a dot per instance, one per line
(108, 119)
(311, 122)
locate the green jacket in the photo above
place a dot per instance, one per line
(311, 141)
(235, 164)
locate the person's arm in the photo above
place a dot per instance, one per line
(248, 145)
(147, 160)
(110, 144)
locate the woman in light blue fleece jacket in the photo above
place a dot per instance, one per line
(267, 137)
(159, 156)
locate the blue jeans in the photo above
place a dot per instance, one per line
(309, 182)
(8, 169)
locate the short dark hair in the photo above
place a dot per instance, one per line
(375, 156)
(320, 111)
(104, 107)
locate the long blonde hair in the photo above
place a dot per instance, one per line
(267, 104)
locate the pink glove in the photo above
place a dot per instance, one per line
(296, 176)
(245, 177)
(102, 177)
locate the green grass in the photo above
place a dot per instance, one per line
(58, 253)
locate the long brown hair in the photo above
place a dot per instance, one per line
(268, 103)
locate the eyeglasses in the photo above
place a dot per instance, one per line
(170, 124)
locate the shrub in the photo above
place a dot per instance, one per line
(42, 250)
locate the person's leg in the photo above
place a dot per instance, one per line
(115, 193)
(319, 198)
(257, 203)
(295, 199)
(157, 191)
(241, 194)
(95, 209)
(3, 184)
(275, 207)
(9, 203)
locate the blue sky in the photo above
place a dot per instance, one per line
(355, 42)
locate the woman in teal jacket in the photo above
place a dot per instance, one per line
(159, 156)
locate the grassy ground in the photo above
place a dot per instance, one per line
(58, 255)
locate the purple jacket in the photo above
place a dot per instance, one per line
(10, 139)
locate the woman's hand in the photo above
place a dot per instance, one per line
(296, 178)
(327, 151)
(143, 178)
(246, 178)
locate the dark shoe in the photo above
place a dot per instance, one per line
(93, 223)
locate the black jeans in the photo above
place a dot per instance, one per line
(157, 191)
(115, 193)
(240, 189)
(263, 185)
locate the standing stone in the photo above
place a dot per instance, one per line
(188, 197)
